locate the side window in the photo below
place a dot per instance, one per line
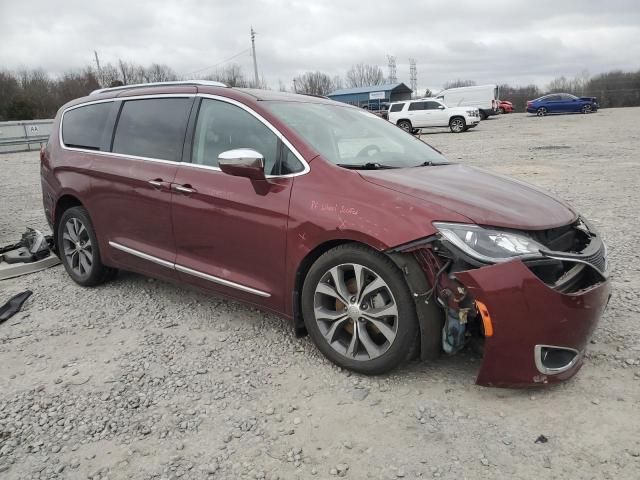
(431, 105)
(416, 106)
(397, 107)
(152, 128)
(290, 163)
(86, 127)
(222, 126)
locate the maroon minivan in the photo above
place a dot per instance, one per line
(364, 236)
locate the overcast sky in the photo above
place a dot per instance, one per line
(501, 41)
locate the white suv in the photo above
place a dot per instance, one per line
(429, 112)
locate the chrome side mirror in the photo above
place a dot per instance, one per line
(242, 162)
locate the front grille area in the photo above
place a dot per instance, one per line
(575, 257)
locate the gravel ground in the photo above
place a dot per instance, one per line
(147, 380)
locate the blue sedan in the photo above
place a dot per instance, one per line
(562, 103)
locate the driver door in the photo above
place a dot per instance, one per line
(230, 231)
(438, 115)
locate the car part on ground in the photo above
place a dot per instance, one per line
(31, 254)
(13, 305)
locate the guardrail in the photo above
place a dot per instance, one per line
(24, 136)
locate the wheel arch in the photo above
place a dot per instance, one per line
(301, 273)
(64, 203)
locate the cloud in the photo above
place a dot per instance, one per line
(490, 42)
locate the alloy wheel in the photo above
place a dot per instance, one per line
(541, 112)
(457, 125)
(586, 109)
(356, 311)
(77, 247)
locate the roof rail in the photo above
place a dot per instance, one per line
(208, 83)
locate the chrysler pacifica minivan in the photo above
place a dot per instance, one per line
(360, 234)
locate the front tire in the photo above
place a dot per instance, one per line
(587, 109)
(405, 125)
(358, 310)
(78, 249)
(457, 125)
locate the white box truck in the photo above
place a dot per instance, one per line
(483, 97)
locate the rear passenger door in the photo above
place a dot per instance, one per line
(230, 231)
(131, 186)
(417, 115)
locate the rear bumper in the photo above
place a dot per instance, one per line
(528, 318)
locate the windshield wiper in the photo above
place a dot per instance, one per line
(365, 166)
(429, 163)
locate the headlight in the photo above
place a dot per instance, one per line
(488, 245)
(471, 113)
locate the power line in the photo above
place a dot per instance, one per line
(219, 63)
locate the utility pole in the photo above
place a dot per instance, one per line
(255, 61)
(95, 53)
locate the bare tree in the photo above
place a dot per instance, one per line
(458, 83)
(314, 83)
(9, 89)
(159, 73)
(232, 75)
(364, 75)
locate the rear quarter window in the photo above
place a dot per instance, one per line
(396, 107)
(88, 127)
(152, 128)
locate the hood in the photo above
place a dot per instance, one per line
(483, 197)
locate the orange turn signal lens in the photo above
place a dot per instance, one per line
(486, 318)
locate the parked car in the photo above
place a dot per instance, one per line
(562, 103)
(359, 233)
(505, 107)
(429, 112)
(483, 97)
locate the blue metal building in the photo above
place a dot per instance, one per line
(371, 97)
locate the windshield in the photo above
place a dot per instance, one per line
(349, 136)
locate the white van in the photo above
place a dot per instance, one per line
(483, 97)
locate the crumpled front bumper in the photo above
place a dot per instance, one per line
(525, 312)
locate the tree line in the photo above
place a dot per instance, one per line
(33, 94)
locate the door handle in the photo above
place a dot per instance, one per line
(156, 183)
(186, 189)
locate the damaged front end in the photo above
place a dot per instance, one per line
(529, 300)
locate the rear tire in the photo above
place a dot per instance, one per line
(405, 125)
(541, 112)
(373, 330)
(457, 125)
(78, 249)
